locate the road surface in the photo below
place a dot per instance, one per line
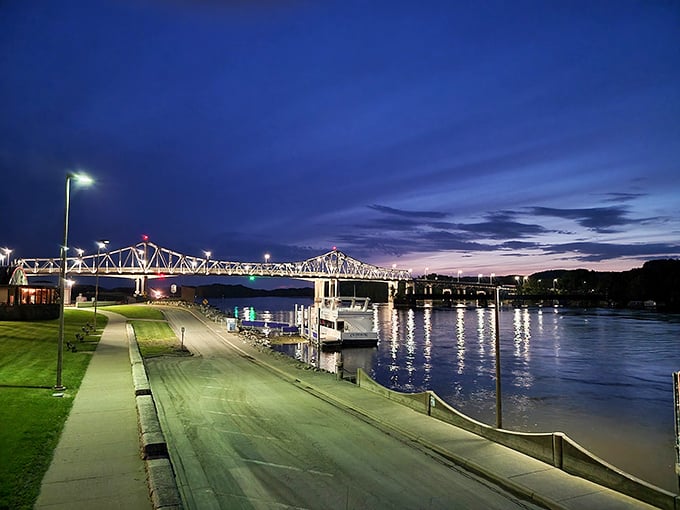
(242, 437)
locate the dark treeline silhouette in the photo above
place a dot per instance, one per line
(218, 290)
(655, 285)
(657, 281)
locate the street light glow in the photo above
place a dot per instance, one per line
(81, 178)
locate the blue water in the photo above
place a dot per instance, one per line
(604, 377)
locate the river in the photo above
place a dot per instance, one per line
(604, 377)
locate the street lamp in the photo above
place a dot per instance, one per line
(100, 244)
(459, 273)
(2, 257)
(85, 180)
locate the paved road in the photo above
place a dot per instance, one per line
(241, 437)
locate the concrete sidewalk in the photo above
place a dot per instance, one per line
(97, 463)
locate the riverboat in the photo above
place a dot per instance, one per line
(347, 322)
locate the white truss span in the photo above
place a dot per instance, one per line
(150, 260)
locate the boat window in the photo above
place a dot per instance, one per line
(341, 325)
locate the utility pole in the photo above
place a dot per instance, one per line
(499, 404)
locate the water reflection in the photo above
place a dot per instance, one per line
(521, 374)
(410, 345)
(460, 340)
(427, 347)
(350, 358)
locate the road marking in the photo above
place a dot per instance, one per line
(283, 466)
(259, 418)
(223, 399)
(257, 436)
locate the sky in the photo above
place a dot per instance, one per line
(504, 137)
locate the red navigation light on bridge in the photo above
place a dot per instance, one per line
(145, 237)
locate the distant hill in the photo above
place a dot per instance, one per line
(218, 290)
(656, 280)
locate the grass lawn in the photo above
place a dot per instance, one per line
(154, 335)
(136, 311)
(31, 419)
(156, 338)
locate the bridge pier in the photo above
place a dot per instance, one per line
(140, 285)
(325, 288)
(392, 289)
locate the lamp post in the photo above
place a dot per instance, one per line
(84, 179)
(100, 244)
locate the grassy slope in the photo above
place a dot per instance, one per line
(31, 419)
(137, 311)
(154, 335)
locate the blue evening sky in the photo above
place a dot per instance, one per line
(493, 136)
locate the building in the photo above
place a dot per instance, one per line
(21, 301)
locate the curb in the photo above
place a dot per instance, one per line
(154, 449)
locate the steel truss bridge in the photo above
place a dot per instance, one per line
(148, 260)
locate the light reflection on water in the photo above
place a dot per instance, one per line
(601, 376)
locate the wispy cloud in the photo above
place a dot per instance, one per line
(599, 219)
(597, 252)
(622, 197)
(502, 225)
(409, 214)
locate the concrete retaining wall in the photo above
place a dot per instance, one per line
(554, 448)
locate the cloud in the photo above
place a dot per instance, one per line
(597, 252)
(600, 219)
(622, 197)
(410, 214)
(502, 225)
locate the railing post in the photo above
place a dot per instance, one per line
(557, 440)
